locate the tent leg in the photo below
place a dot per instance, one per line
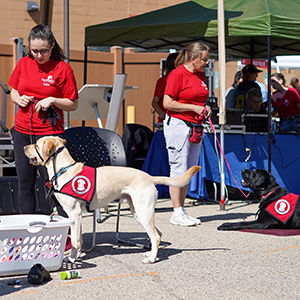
(269, 105)
(222, 179)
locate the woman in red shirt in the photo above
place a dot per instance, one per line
(286, 102)
(40, 80)
(184, 98)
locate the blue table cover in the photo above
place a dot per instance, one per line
(242, 151)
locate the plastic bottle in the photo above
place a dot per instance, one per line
(69, 274)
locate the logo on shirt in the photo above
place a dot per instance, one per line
(48, 80)
(286, 102)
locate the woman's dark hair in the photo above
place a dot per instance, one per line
(170, 62)
(193, 50)
(237, 77)
(279, 76)
(44, 32)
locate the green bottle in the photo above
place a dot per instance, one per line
(69, 274)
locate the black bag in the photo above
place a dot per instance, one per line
(9, 197)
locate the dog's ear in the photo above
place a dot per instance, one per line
(48, 148)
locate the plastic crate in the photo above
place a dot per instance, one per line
(26, 240)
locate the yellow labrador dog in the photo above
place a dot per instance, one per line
(112, 182)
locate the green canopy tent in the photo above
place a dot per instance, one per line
(171, 27)
(248, 24)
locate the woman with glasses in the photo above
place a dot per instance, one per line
(184, 98)
(43, 86)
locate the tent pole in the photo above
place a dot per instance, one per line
(251, 51)
(85, 65)
(269, 105)
(66, 52)
(222, 80)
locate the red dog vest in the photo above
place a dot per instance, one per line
(82, 186)
(283, 208)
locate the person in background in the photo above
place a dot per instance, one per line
(184, 98)
(254, 101)
(230, 92)
(295, 84)
(157, 101)
(286, 103)
(43, 86)
(250, 74)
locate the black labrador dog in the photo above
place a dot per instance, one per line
(277, 208)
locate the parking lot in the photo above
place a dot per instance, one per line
(194, 263)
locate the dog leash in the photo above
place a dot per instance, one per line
(221, 150)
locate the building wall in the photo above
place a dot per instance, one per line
(15, 21)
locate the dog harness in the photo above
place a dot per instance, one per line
(82, 186)
(283, 208)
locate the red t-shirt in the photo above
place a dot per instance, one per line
(287, 105)
(159, 92)
(186, 87)
(54, 78)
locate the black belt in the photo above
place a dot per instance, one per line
(192, 125)
(289, 118)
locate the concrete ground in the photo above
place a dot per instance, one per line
(194, 263)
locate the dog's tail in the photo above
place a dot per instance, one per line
(180, 181)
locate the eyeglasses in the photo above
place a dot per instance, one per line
(42, 52)
(205, 60)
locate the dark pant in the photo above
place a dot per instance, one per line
(27, 174)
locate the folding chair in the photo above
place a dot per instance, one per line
(97, 147)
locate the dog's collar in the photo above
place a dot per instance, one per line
(265, 196)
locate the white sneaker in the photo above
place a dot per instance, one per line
(197, 221)
(182, 219)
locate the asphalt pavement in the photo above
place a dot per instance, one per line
(194, 263)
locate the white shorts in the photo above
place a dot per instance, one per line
(181, 152)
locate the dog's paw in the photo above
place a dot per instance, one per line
(147, 254)
(69, 259)
(149, 260)
(225, 226)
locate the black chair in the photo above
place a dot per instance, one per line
(97, 147)
(136, 140)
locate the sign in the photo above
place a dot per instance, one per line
(256, 62)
